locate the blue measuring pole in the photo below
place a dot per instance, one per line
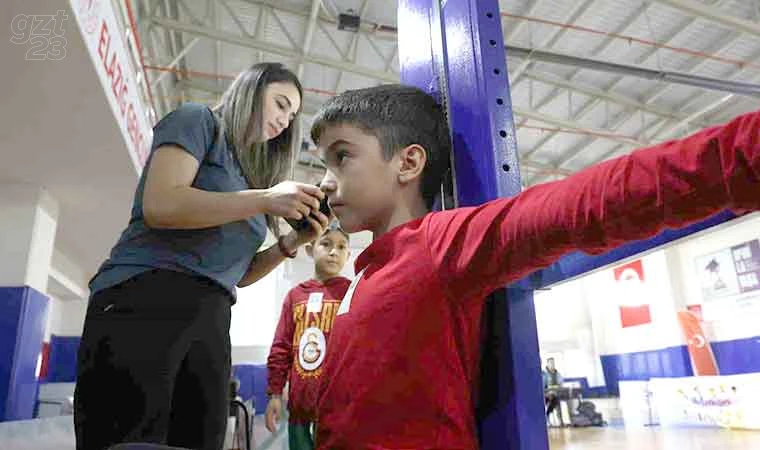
(455, 51)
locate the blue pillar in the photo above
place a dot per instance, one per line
(456, 53)
(23, 315)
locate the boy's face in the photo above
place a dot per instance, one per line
(330, 253)
(360, 184)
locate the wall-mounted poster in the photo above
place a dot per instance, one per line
(729, 278)
(747, 262)
(717, 273)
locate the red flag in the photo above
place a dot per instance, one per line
(633, 301)
(45, 356)
(697, 310)
(702, 358)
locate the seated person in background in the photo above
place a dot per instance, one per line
(552, 384)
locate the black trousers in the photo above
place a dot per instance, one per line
(154, 364)
(551, 400)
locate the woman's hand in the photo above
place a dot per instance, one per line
(318, 224)
(292, 200)
(267, 260)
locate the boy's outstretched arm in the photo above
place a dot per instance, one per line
(476, 250)
(279, 363)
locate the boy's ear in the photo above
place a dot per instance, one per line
(412, 160)
(309, 250)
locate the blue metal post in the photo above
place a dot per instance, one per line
(456, 52)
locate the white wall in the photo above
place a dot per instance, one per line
(65, 317)
(67, 293)
(603, 295)
(565, 331)
(69, 276)
(27, 233)
(580, 320)
(71, 320)
(54, 317)
(739, 315)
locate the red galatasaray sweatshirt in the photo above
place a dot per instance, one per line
(404, 352)
(300, 343)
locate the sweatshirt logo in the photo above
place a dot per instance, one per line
(310, 336)
(312, 348)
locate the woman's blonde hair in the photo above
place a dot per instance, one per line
(264, 163)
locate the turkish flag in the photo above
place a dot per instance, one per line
(702, 358)
(632, 297)
(696, 310)
(631, 316)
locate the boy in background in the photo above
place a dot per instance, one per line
(300, 342)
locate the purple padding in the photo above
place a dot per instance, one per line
(734, 357)
(62, 367)
(589, 391)
(639, 366)
(244, 374)
(582, 381)
(10, 311)
(738, 356)
(260, 388)
(23, 315)
(253, 384)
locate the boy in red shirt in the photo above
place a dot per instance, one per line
(404, 345)
(300, 342)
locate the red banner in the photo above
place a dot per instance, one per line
(45, 360)
(633, 301)
(702, 358)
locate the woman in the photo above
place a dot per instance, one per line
(154, 360)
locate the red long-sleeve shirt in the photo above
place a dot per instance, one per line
(300, 342)
(404, 356)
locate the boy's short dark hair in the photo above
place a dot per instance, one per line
(335, 226)
(398, 116)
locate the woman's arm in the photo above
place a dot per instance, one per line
(265, 261)
(169, 200)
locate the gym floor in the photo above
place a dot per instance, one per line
(651, 438)
(56, 433)
(614, 437)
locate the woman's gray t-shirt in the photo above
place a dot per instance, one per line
(222, 253)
